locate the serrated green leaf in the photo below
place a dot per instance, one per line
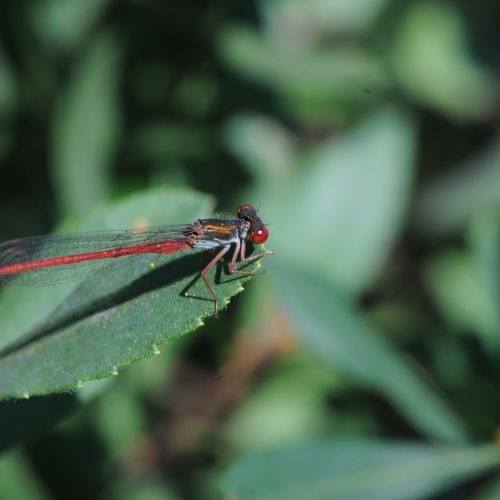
(331, 326)
(114, 318)
(356, 471)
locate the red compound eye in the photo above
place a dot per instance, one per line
(260, 235)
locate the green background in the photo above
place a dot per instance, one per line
(365, 363)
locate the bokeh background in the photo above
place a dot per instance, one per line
(365, 364)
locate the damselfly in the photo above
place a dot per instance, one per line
(45, 260)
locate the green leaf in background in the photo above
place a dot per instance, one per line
(24, 419)
(114, 318)
(267, 149)
(356, 471)
(168, 142)
(313, 79)
(134, 487)
(465, 284)
(431, 47)
(62, 24)
(491, 492)
(336, 332)
(314, 19)
(120, 434)
(5, 142)
(8, 88)
(341, 213)
(86, 127)
(450, 200)
(8, 101)
(19, 480)
(291, 402)
(196, 94)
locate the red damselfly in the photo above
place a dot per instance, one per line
(46, 260)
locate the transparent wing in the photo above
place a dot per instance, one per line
(49, 248)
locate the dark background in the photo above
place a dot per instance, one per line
(367, 132)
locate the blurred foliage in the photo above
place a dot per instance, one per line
(365, 363)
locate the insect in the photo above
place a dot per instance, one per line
(46, 260)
